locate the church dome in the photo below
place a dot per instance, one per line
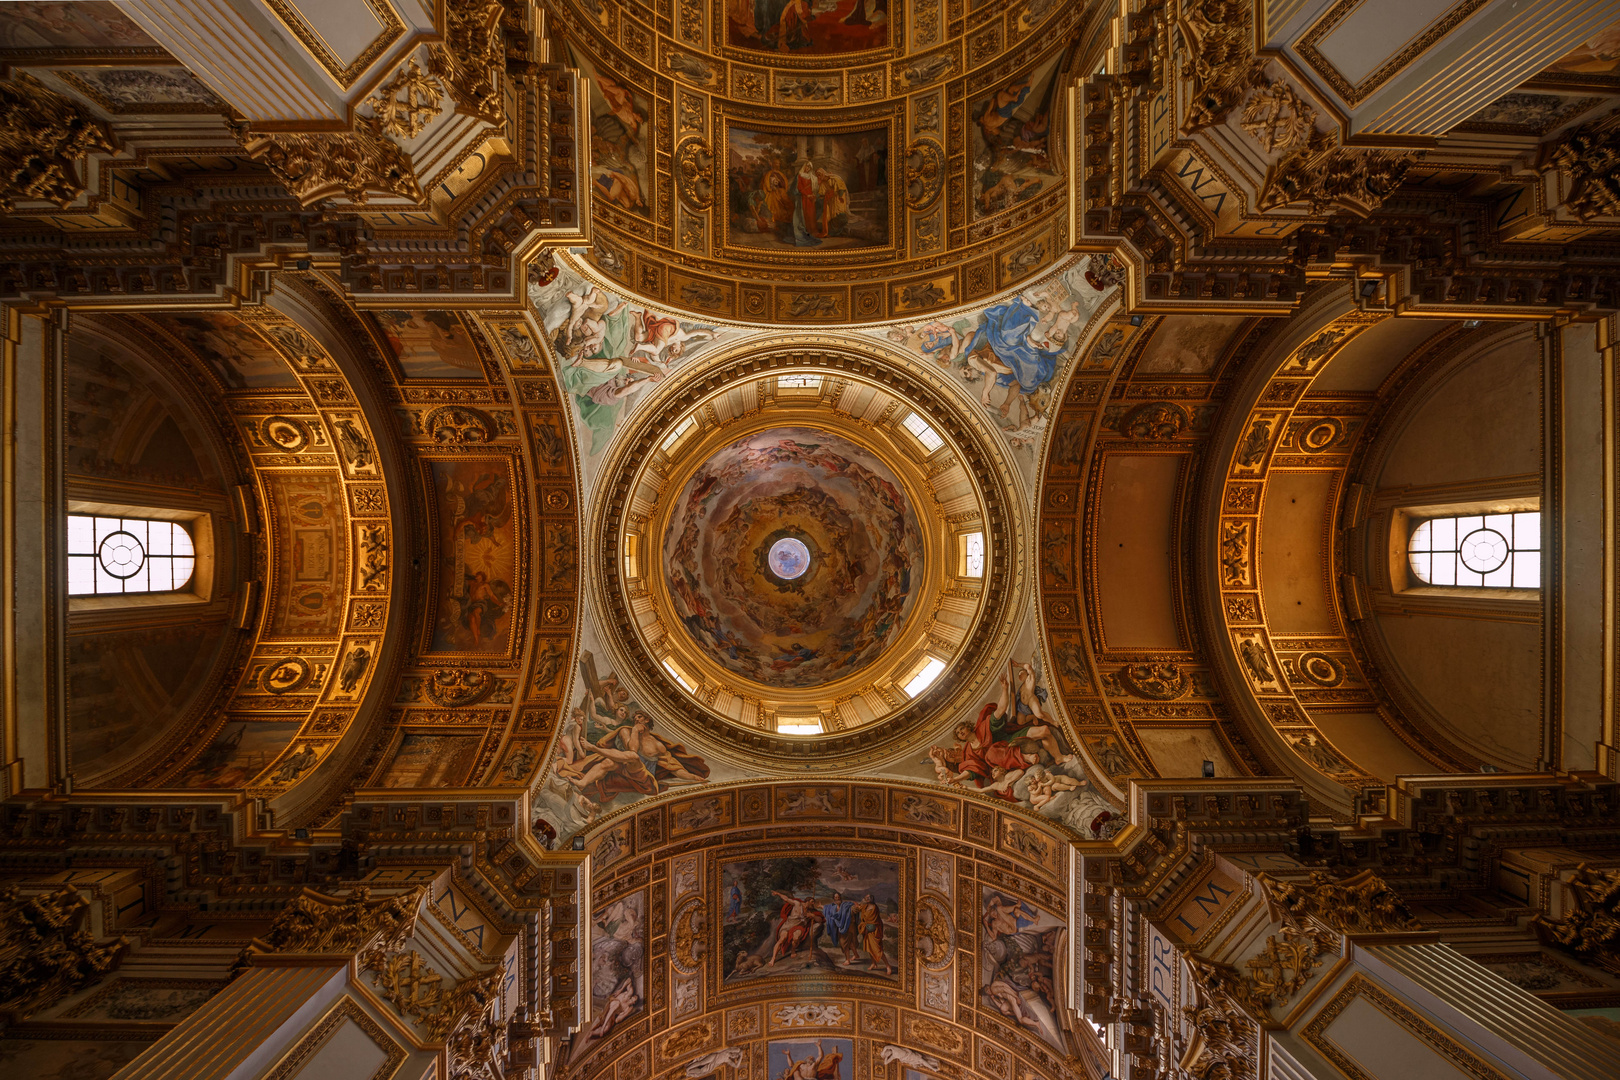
(788, 552)
(790, 556)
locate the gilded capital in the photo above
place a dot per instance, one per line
(45, 952)
(1592, 929)
(42, 137)
(1361, 904)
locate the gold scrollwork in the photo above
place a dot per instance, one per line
(925, 173)
(686, 937)
(694, 169)
(1156, 682)
(933, 933)
(458, 425)
(457, 687)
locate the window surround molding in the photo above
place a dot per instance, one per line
(1404, 520)
(200, 590)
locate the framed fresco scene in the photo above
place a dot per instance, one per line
(808, 192)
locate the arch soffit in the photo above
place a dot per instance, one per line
(940, 857)
(1401, 398)
(1146, 386)
(181, 391)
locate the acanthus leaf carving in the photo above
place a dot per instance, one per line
(1360, 904)
(1222, 1033)
(45, 952)
(1591, 930)
(1336, 178)
(472, 59)
(404, 980)
(42, 134)
(312, 167)
(1222, 64)
(315, 922)
(1591, 157)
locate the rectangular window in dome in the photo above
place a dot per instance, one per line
(925, 676)
(675, 436)
(972, 550)
(925, 434)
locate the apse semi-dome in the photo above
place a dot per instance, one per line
(793, 557)
(804, 547)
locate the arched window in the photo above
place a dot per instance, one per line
(111, 556)
(1478, 551)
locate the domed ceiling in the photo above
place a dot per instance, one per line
(783, 554)
(790, 557)
(828, 162)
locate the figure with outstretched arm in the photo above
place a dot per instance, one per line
(794, 927)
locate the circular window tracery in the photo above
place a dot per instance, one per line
(121, 555)
(1483, 550)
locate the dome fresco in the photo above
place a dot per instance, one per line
(796, 622)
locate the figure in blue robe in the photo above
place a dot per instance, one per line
(733, 901)
(1005, 330)
(837, 913)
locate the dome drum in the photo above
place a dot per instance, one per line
(788, 553)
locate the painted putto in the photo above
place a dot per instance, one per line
(862, 551)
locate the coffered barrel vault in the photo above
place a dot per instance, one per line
(808, 539)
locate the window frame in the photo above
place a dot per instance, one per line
(962, 555)
(1404, 522)
(198, 523)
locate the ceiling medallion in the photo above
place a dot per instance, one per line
(779, 552)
